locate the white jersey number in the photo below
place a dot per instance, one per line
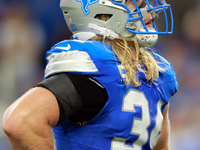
(131, 100)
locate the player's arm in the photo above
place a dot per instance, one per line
(164, 140)
(28, 121)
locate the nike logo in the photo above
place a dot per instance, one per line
(64, 48)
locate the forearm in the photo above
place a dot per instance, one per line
(31, 140)
(28, 132)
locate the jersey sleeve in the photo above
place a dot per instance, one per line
(68, 56)
(81, 57)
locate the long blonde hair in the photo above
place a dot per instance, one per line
(132, 57)
(132, 62)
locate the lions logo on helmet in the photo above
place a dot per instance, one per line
(84, 5)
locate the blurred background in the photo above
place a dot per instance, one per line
(29, 28)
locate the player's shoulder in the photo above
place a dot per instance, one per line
(167, 78)
(92, 48)
(168, 74)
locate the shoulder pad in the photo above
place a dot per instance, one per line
(76, 56)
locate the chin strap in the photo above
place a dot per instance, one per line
(97, 30)
(104, 31)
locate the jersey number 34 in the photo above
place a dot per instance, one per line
(140, 126)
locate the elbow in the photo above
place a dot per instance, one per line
(8, 122)
(12, 123)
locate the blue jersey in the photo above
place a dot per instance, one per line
(132, 116)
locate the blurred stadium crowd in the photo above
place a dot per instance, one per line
(29, 28)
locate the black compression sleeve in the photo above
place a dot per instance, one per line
(79, 98)
(68, 99)
(93, 95)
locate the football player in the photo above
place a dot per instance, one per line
(105, 89)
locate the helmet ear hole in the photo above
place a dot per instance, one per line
(103, 17)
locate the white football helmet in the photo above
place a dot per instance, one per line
(80, 16)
